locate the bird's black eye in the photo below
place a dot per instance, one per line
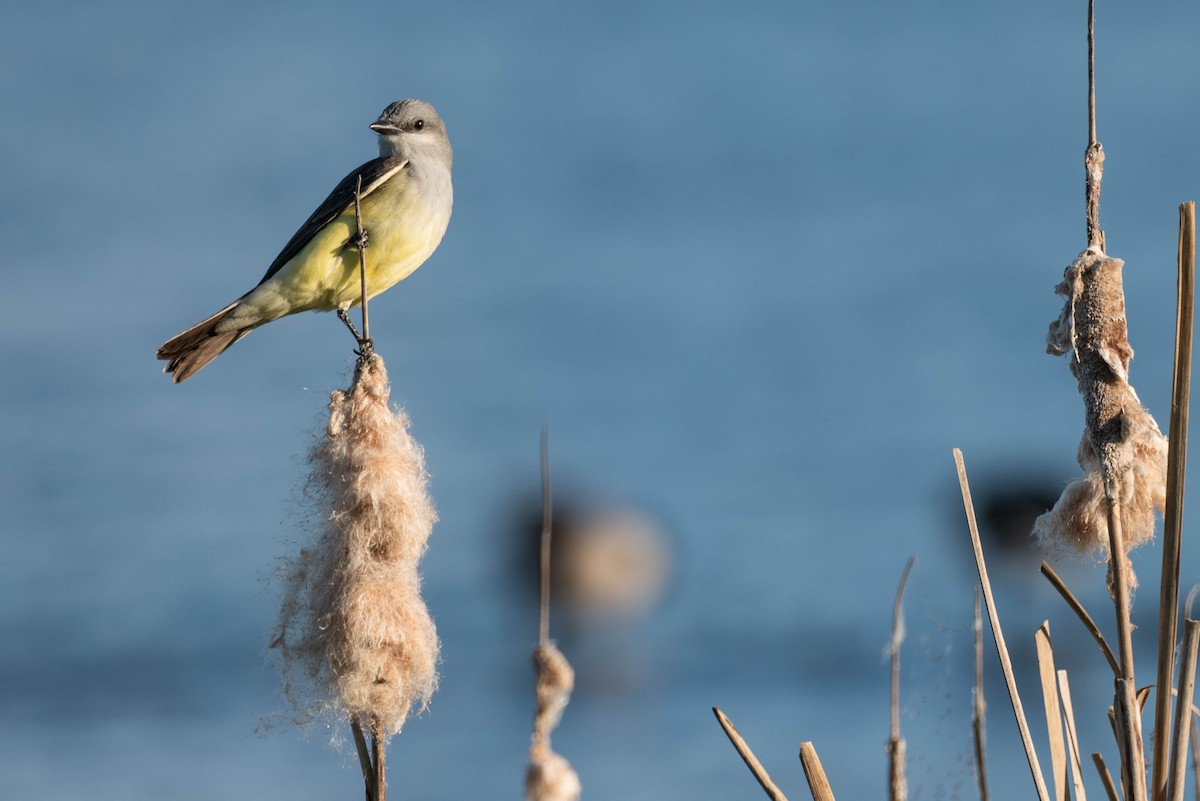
(418, 125)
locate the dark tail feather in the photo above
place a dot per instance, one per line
(187, 352)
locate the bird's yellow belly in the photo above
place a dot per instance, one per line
(325, 274)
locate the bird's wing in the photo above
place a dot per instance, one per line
(374, 174)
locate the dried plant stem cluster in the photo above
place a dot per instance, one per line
(356, 637)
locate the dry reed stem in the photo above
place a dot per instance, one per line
(897, 783)
(1180, 730)
(1064, 691)
(1127, 729)
(979, 711)
(550, 776)
(743, 748)
(1105, 777)
(818, 784)
(1168, 606)
(356, 638)
(1050, 700)
(997, 633)
(1133, 772)
(364, 757)
(361, 243)
(1083, 616)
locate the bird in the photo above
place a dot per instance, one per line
(405, 198)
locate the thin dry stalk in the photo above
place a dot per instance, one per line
(1127, 729)
(818, 785)
(1094, 159)
(1083, 615)
(997, 633)
(378, 754)
(1187, 690)
(550, 776)
(1130, 731)
(361, 242)
(979, 713)
(1054, 727)
(1064, 690)
(364, 757)
(1168, 604)
(897, 783)
(743, 748)
(1105, 777)
(547, 526)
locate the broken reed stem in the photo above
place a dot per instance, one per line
(979, 713)
(1179, 733)
(1105, 777)
(997, 633)
(818, 784)
(362, 260)
(547, 526)
(1168, 603)
(897, 783)
(1054, 726)
(739, 743)
(1083, 615)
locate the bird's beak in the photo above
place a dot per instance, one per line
(384, 128)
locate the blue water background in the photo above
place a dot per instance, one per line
(760, 265)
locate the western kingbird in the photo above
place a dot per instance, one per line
(405, 205)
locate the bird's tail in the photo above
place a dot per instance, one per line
(187, 352)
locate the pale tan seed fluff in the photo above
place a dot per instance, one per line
(550, 777)
(1123, 454)
(356, 637)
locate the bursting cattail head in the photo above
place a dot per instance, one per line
(1123, 454)
(356, 637)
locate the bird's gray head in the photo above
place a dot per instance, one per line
(412, 129)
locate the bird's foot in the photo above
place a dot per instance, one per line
(361, 240)
(345, 318)
(366, 349)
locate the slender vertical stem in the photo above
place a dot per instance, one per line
(1091, 37)
(1130, 730)
(362, 258)
(980, 710)
(1180, 731)
(1010, 680)
(897, 783)
(1168, 604)
(378, 751)
(1094, 155)
(547, 528)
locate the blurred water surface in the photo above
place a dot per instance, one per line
(759, 265)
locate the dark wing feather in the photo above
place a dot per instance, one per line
(341, 198)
